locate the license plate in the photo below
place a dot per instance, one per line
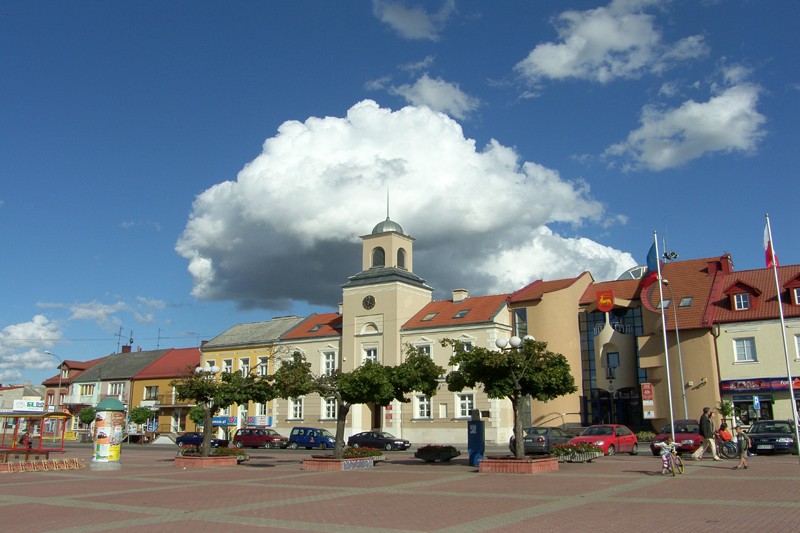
(765, 446)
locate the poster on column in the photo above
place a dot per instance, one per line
(108, 426)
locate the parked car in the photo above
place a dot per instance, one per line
(195, 438)
(378, 439)
(611, 438)
(259, 438)
(311, 438)
(687, 436)
(540, 439)
(772, 436)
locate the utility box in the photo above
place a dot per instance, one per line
(476, 441)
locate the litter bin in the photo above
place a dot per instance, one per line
(476, 442)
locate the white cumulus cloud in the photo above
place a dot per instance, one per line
(615, 41)
(288, 227)
(413, 22)
(22, 347)
(727, 122)
(439, 95)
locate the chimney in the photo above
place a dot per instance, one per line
(126, 349)
(203, 343)
(459, 295)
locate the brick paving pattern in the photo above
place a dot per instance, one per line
(271, 493)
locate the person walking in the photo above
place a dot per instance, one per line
(707, 432)
(742, 445)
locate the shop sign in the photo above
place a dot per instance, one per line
(29, 405)
(224, 421)
(758, 385)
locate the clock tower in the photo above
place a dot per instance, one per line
(377, 301)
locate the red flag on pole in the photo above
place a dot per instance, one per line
(768, 251)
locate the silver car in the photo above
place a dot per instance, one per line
(541, 439)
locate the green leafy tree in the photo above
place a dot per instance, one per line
(140, 415)
(530, 369)
(212, 394)
(369, 383)
(87, 415)
(197, 414)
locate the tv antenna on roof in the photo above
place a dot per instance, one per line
(119, 338)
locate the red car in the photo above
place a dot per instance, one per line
(687, 436)
(611, 438)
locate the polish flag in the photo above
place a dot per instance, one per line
(769, 253)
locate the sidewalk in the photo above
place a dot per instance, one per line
(271, 493)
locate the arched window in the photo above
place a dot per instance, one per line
(378, 257)
(401, 258)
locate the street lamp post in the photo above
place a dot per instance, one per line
(508, 345)
(665, 282)
(60, 373)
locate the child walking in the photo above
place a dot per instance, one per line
(742, 445)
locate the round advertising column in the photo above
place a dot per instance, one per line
(108, 425)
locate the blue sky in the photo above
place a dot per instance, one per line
(171, 169)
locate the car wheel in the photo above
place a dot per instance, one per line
(238, 444)
(293, 446)
(356, 445)
(388, 447)
(612, 450)
(323, 445)
(635, 449)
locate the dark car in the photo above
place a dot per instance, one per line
(540, 439)
(195, 438)
(378, 439)
(611, 438)
(772, 436)
(687, 436)
(259, 438)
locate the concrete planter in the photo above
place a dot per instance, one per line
(328, 463)
(511, 465)
(214, 461)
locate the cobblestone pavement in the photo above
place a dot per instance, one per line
(272, 493)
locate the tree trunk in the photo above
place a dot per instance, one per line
(341, 419)
(518, 401)
(205, 449)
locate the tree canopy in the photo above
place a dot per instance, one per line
(527, 370)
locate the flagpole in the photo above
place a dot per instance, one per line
(664, 331)
(783, 334)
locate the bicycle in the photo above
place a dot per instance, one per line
(675, 463)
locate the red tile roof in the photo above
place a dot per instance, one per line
(322, 325)
(176, 363)
(480, 309)
(765, 305)
(81, 366)
(537, 289)
(627, 289)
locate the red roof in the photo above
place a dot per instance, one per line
(763, 306)
(323, 325)
(80, 366)
(627, 289)
(176, 363)
(537, 289)
(474, 310)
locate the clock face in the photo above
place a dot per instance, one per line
(368, 302)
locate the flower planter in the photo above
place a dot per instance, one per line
(326, 463)
(580, 457)
(512, 465)
(431, 454)
(213, 461)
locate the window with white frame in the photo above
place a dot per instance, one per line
(244, 366)
(424, 349)
(329, 408)
(796, 292)
(261, 409)
(741, 301)
(87, 390)
(295, 408)
(227, 365)
(466, 403)
(797, 346)
(423, 406)
(371, 354)
(745, 350)
(64, 372)
(151, 393)
(263, 366)
(211, 363)
(329, 362)
(116, 388)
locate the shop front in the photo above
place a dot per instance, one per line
(760, 398)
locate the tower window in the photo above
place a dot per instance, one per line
(401, 259)
(378, 257)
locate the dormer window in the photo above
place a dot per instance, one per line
(796, 293)
(741, 301)
(461, 314)
(429, 317)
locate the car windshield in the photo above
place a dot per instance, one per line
(598, 430)
(326, 433)
(271, 432)
(771, 427)
(535, 431)
(386, 435)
